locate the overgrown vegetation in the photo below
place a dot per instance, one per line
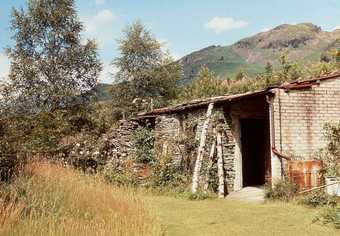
(207, 84)
(47, 107)
(144, 139)
(330, 155)
(51, 200)
(283, 190)
(329, 216)
(318, 199)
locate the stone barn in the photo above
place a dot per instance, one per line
(261, 128)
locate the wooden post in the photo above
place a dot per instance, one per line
(198, 164)
(210, 164)
(220, 169)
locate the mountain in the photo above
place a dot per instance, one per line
(302, 42)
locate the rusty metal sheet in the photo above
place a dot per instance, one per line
(305, 174)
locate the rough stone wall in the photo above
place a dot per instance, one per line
(168, 127)
(229, 144)
(119, 141)
(300, 115)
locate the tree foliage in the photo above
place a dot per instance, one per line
(147, 77)
(50, 67)
(52, 74)
(207, 84)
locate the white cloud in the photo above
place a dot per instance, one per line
(265, 29)
(100, 2)
(167, 47)
(221, 24)
(107, 73)
(102, 18)
(99, 27)
(4, 66)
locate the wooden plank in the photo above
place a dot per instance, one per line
(210, 164)
(220, 169)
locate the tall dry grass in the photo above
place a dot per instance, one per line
(52, 200)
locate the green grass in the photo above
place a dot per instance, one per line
(223, 217)
(51, 200)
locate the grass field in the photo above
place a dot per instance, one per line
(52, 200)
(222, 217)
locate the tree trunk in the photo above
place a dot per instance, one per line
(210, 164)
(198, 164)
(220, 169)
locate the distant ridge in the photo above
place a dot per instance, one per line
(304, 42)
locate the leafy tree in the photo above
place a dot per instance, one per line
(240, 75)
(205, 85)
(147, 76)
(50, 67)
(51, 77)
(268, 72)
(289, 71)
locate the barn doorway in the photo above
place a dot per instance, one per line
(255, 151)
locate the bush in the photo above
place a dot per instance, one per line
(166, 174)
(283, 190)
(144, 139)
(330, 155)
(329, 215)
(199, 196)
(10, 165)
(319, 198)
(121, 176)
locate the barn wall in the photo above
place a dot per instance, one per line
(300, 115)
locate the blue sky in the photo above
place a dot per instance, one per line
(183, 25)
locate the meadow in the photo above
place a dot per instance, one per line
(52, 200)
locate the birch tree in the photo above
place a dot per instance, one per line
(147, 77)
(50, 66)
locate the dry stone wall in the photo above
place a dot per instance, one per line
(169, 127)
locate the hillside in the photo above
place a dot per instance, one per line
(302, 42)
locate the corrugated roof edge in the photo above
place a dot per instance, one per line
(298, 84)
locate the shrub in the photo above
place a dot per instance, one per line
(319, 198)
(121, 176)
(166, 174)
(329, 215)
(282, 190)
(199, 196)
(331, 153)
(10, 165)
(144, 145)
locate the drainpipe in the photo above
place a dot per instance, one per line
(275, 155)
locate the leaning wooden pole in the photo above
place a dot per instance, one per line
(220, 169)
(210, 164)
(198, 164)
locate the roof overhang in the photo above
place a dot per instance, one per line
(200, 103)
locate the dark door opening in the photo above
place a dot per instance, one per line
(255, 151)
